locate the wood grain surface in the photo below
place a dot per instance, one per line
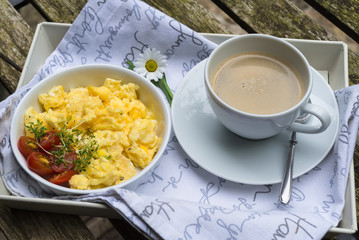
(15, 41)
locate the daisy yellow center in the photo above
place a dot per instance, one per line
(151, 65)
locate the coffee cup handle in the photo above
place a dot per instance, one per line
(320, 113)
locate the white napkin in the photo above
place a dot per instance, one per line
(181, 200)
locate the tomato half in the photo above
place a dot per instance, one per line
(67, 164)
(62, 177)
(39, 163)
(27, 145)
(50, 140)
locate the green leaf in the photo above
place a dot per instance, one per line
(130, 64)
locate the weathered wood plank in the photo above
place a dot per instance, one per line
(353, 68)
(190, 13)
(281, 18)
(23, 224)
(9, 225)
(59, 11)
(344, 14)
(15, 41)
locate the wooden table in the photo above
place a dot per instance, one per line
(281, 18)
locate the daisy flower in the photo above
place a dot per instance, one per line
(150, 64)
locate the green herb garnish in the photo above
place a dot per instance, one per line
(37, 129)
(87, 152)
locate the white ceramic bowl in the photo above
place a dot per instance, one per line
(82, 76)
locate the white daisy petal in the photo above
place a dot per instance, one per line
(152, 70)
(142, 69)
(147, 53)
(161, 69)
(158, 75)
(138, 65)
(152, 75)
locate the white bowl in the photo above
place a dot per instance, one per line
(82, 76)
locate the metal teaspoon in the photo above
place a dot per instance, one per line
(286, 187)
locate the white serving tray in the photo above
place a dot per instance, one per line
(328, 57)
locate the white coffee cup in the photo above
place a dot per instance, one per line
(259, 126)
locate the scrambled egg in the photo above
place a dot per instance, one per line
(122, 125)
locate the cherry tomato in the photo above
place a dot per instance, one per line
(62, 177)
(69, 158)
(39, 163)
(50, 140)
(27, 145)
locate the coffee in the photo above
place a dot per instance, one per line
(257, 83)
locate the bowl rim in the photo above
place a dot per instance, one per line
(71, 70)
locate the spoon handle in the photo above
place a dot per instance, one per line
(286, 187)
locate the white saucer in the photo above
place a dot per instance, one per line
(231, 157)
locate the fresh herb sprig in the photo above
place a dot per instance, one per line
(87, 151)
(38, 129)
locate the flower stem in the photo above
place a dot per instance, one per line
(162, 84)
